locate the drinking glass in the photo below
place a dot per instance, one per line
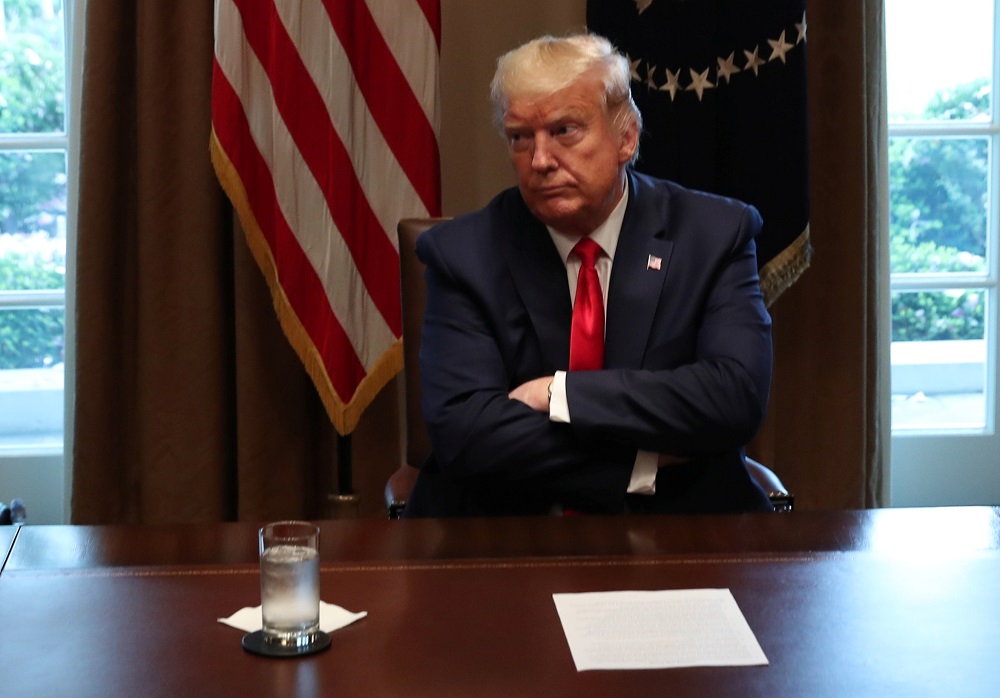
(289, 583)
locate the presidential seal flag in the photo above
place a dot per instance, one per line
(721, 85)
(324, 135)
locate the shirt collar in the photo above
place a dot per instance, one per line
(606, 234)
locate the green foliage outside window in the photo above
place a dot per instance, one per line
(933, 315)
(32, 101)
(32, 337)
(938, 219)
(32, 182)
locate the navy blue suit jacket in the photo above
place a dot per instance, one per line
(687, 361)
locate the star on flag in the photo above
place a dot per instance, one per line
(726, 69)
(672, 84)
(779, 48)
(699, 82)
(753, 60)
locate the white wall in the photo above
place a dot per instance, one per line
(38, 480)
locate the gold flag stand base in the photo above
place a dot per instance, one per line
(344, 506)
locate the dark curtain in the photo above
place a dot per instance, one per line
(190, 405)
(827, 431)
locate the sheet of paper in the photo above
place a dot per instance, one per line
(657, 629)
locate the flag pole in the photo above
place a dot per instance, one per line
(345, 504)
(344, 465)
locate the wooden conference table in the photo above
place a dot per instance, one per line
(868, 603)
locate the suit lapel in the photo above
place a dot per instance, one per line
(636, 284)
(540, 279)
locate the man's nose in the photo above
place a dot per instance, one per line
(542, 158)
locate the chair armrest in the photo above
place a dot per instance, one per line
(397, 489)
(780, 497)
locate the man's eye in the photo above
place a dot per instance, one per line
(517, 140)
(564, 130)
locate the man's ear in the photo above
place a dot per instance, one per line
(629, 142)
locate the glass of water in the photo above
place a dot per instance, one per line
(289, 584)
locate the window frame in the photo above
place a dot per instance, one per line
(988, 281)
(66, 143)
(957, 466)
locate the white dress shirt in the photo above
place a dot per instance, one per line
(643, 480)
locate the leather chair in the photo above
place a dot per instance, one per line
(418, 445)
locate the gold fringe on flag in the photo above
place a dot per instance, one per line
(785, 268)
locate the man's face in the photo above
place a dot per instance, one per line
(569, 156)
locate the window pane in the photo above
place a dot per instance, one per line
(32, 67)
(31, 338)
(32, 220)
(938, 205)
(930, 316)
(939, 59)
(31, 377)
(938, 359)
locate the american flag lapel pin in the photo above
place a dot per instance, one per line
(653, 263)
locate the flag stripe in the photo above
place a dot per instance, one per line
(432, 11)
(331, 341)
(397, 111)
(304, 115)
(413, 44)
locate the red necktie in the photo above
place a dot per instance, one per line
(586, 340)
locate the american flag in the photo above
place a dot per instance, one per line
(324, 135)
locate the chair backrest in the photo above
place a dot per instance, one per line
(414, 291)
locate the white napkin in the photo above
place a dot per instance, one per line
(331, 618)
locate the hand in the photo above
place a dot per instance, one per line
(534, 393)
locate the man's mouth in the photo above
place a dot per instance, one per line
(552, 190)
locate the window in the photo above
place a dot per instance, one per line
(943, 145)
(33, 224)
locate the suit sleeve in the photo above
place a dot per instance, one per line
(709, 403)
(477, 432)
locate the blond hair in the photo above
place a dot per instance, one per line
(548, 64)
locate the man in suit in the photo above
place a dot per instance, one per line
(550, 389)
